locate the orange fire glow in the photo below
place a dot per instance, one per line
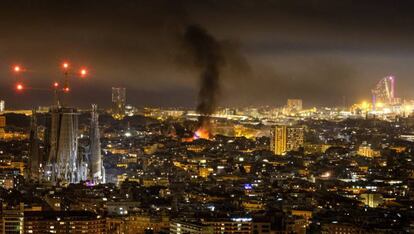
(187, 139)
(202, 133)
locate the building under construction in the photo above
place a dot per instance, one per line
(60, 161)
(63, 162)
(97, 171)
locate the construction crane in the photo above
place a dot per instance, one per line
(57, 87)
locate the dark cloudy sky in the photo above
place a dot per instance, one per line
(318, 50)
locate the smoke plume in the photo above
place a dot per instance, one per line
(209, 59)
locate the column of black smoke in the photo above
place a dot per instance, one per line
(208, 57)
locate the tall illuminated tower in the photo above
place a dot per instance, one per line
(118, 102)
(286, 138)
(2, 106)
(2, 125)
(384, 92)
(97, 171)
(294, 104)
(35, 161)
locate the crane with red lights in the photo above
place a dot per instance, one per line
(56, 87)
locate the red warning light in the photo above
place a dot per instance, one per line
(83, 72)
(65, 65)
(19, 87)
(56, 84)
(66, 89)
(17, 69)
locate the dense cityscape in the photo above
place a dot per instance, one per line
(206, 117)
(258, 170)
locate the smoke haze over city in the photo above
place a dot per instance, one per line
(206, 116)
(320, 51)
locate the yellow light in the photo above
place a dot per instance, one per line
(379, 104)
(326, 174)
(364, 105)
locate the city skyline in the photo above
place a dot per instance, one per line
(206, 117)
(317, 51)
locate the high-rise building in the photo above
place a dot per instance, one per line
(294, 104)
(63, 163)
(97, 171)
(2, 105)
(286, 138)
(372, 199)
(118, 102)
(384, 92)
(2, 121)
(2, 125)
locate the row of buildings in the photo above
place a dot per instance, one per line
(18, 219)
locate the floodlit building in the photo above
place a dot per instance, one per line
(367, 151)
(286, 138)
(372, 199)
(2, 121)
(118, 102)
(294, 104)
(97, 171)
(2, 126)
(63, 163)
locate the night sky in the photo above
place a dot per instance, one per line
(320, 51)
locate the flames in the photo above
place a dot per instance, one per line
(201, 133)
